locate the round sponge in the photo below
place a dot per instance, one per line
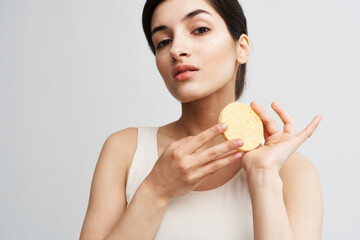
(242, 123)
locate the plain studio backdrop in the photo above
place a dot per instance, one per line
(72, 72)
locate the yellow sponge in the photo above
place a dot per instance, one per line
(242, 123)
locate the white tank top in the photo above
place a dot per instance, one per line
(223, 213)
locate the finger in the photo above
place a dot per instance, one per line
(177, 143)
(308, 131)
(204, 137)
(215, 165)
(217, 151)
(289, 125)
(269, 124)
(266, 133)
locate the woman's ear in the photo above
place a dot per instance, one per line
(243, 49)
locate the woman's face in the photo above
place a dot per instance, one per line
(195, 53)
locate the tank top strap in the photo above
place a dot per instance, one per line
(143, 161)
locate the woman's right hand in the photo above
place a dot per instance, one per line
(180, 169)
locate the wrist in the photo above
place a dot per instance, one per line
(263, 177)
(153, 194)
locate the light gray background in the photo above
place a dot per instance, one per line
(74, 71)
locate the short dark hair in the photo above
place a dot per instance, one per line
(229, 10)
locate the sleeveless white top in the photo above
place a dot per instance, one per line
(223, 213)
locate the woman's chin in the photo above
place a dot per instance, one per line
(189, 97)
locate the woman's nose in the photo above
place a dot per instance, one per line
(178, 51)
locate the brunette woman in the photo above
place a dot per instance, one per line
(183, 180)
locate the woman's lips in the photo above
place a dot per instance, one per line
(182, 76)
(183, 72)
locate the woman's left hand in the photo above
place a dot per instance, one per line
(278, 145)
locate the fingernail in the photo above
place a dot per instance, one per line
(223, 127)
(238, 142)
(238, 155)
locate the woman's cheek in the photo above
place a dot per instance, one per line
(217, 39)
(161, 66)
(220, 48)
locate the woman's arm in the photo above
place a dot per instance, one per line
(289, 205)
(303, 197)
(142, 217)
(269, 214)
(179, 169)
(107, 216)
(284, 187)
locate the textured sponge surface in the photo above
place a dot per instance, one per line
(242, 123)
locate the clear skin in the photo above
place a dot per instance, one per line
(284, 187)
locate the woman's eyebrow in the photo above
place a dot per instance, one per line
(185, 18)
(193, 14)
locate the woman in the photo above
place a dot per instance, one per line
(183, 180)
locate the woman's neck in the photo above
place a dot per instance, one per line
(201, 114)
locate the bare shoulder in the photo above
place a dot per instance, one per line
(118, 150)
(107, 200)
(302, 196)
(299, 176)
(297, 167)
(125, 136)
(122, 145)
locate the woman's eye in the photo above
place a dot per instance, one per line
(163, 43)
(201, 30)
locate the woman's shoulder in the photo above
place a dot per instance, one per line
(302, 194)
(297, 165)
(123, 134)
(121, 145)
(123, 139)
(299, 176)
